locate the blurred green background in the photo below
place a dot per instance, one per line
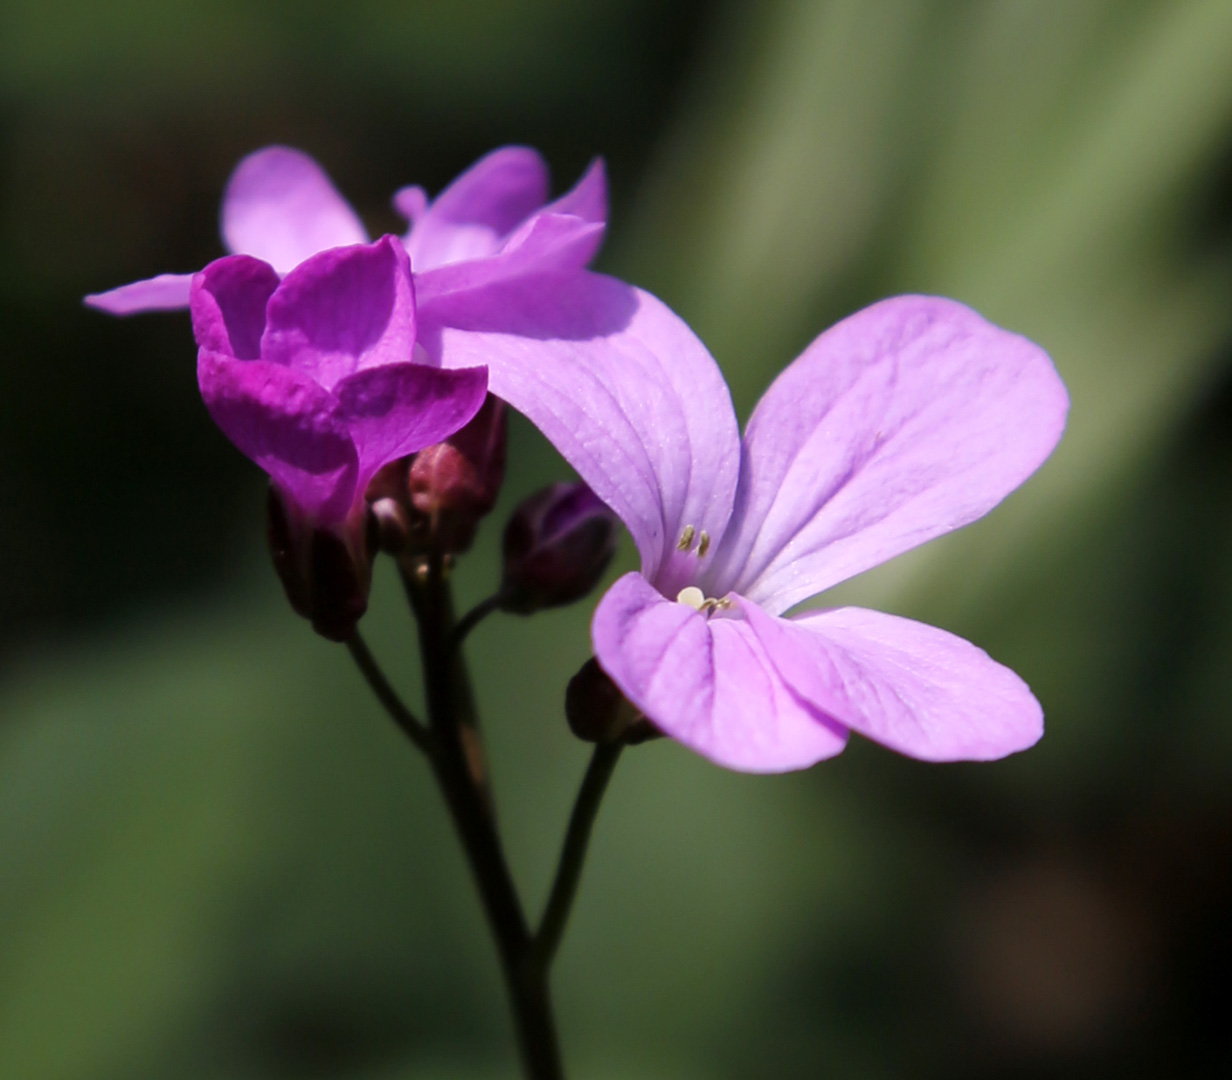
(217, 858)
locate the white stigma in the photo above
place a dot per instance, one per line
(693, 596)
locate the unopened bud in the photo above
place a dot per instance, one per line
(598, 712)
(557, 545)
(454, 483)
(325, 570)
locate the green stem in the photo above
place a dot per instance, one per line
(387, 695)
(474, 617)
(573, 853)
(458, 766)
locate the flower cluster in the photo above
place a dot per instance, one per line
(324, 358)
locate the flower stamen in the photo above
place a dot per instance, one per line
(685, 542)
(699, 601)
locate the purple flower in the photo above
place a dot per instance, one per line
(904, 421)
(312, 376)
(491, 223)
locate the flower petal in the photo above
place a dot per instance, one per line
(620, 386)
(228, 300)
(545, 242)
(707, 682)
(342, 311)
(166, 292)
(587, 199)
(472, 215)
(904, 421)
(288, 425)
(397, 409)
(281, 207)
(411, 202)
(908, 686)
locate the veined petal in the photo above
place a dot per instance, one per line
(227, 301)
(545, 242)
(288, 425)
(281, 207)
(472, 215)
(707, 682)
(166, 292)
(902, 422)
(342, 311)
(620, 386)
(397, 409)
(908, 686)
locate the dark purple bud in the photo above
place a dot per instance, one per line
(454, 484)
(598, 712)
(325, 570)
(557, 545)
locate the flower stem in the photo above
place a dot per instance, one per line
(461, 774)
(387, 695)
(573, 853)
(474, 617)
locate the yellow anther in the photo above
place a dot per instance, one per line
(703, 545)
(686, 539)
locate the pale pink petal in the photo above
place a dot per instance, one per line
(904, 421)
(469, 218)
(545, 242)
(620, 386)
(166, 292)
(288, 425)
(395, 410)
(707, 682)
(281, 207)
(227, 301)
(911, 687)
(342, 311)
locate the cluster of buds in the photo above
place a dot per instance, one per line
(434, 500)
(556, 546)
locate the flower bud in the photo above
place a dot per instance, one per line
(557, 545)
(389, 501)
(454, 484)
(598, 712)
(325, 570)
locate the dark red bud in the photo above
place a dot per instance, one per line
(454, 484)
(598, 712)
(557, 545)
(326, 571)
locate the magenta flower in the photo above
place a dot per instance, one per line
(312, 376)
(490, 223)
(904, 421)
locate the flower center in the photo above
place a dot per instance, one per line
(699, 601)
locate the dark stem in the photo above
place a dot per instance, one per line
(474, 617)
(462, 776)
(573, 854)
(387, 695)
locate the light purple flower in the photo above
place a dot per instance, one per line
(312, 376)
(904, 421)
(493, 222)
